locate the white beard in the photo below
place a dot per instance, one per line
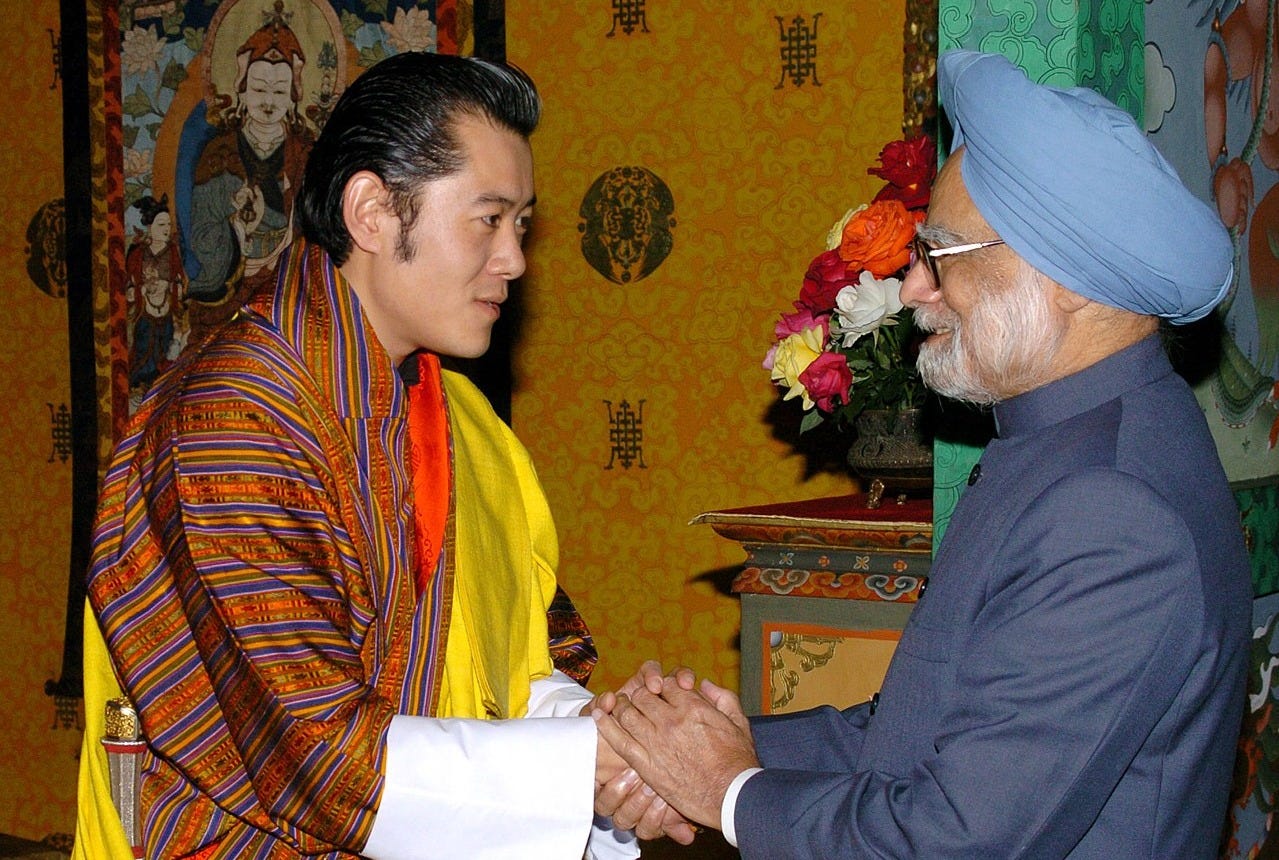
(1006, 346)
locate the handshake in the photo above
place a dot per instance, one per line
(668, 749)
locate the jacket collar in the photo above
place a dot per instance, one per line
(1131, 368)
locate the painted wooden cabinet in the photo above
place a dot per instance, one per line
(826, 588)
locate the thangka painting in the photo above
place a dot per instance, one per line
(218, 106)
(1249, 831)
(1211, 107)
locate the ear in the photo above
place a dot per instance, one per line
(367, 213)
(1067, 301)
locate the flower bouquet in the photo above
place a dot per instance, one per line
(848, 347)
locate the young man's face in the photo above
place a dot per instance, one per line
(443, 288)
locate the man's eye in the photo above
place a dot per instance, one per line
(492, 220)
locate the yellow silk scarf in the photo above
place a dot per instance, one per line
(506, 555)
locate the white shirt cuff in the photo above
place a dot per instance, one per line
(561, 696)
(557, 696)
(727, 819)
(480, 789)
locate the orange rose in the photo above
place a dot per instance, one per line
(877, 239)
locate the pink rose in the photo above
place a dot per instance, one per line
(802, 319)
(827, 380)
(826, 276)
(771, 357)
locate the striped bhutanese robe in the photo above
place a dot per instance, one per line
(253, 579)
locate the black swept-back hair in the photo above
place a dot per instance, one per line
(398, 121)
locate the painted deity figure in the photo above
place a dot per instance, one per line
(155, 294)
(1239, 53)
(247, 175)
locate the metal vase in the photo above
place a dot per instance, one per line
(892, 453)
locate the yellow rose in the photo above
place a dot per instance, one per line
(835, 236)
(793, 356)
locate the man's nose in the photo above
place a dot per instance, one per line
(509, 261)
(917, 288)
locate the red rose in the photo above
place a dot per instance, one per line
(826, 276)
(909, 167)
(827, 380)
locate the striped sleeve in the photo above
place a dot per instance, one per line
(240, 613)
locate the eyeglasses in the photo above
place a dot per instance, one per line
(921, 250)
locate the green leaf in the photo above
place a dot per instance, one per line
(372, 56)
(350, 23)
(134, 190)
(173, 75)
(377, 7)
(172, 22)
(812, 418)
(193, 37)
(137, 104)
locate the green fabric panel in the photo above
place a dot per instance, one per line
(1259, 511)
(1112, 52)
(952, 463)
(1094, 43)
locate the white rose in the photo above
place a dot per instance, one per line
(861, 309)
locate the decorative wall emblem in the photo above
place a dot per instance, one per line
(55, 40)
(628, 14)
(59, 432)
(626, 221)
(625, 435)
(47, 249)
(798, 50)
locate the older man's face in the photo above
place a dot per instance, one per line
(994, 332)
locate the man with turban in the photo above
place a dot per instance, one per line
(1071, 684)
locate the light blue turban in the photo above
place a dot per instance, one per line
(1071, 183)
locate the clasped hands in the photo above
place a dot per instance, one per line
(668, 750)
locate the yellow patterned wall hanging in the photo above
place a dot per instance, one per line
(642, 397)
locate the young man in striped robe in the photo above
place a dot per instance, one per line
(323, 566)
